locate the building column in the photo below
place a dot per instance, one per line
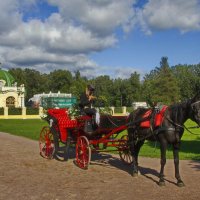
(124, 110)
(40, 111)
(6, 112)
(112, 110)
(24, 112)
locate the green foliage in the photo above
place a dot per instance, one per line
(188, 78)
(14, 111)
(60, 80)
(1, 111)
(161, 85)
(164, 83)
(32, 111)
(118, 109)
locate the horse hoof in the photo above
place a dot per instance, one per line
(135, 174)
(161, 183)
(180, 184)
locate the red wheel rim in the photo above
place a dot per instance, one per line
(46, 143)
(124, 152)
(83, 152)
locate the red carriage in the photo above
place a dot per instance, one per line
(65, 132)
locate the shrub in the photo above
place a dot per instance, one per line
(1, 111)
(32, 111)
(14, 111)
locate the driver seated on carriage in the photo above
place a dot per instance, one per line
(87, 100)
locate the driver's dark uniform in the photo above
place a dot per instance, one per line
(86, 105)
(86, 109)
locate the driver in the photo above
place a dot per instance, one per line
(87, 100)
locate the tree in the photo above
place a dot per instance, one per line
(188, 78)
(103, 89)
(133, 89)
(161, 85)
(19, 75)
(60, 80)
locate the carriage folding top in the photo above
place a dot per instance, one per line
(65, 132)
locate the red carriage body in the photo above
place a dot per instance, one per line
(63, 129)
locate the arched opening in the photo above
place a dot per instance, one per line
(10, 102)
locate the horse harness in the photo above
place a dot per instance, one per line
(154, 131)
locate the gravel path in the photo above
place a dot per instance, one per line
(25, 175)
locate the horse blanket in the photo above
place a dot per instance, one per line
(153, 118)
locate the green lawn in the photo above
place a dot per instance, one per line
(29, 128)
(190, 148)
(190, 145)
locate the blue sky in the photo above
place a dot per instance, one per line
(99, 37)
(144, 52)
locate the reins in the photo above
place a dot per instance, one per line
(191, 131)
(184, 127)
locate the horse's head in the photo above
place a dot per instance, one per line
(195, 109)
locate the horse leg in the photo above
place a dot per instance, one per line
(176, 148)
(163, 148)
(135, 151)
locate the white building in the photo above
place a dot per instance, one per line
(10, 94)
(139, 105)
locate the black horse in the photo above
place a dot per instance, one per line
(169, 132)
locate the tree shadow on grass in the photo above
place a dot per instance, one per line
(187, 147)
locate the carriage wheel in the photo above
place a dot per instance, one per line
(124, 151)
(46, 143)
(83, 152)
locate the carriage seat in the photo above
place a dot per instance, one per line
(62, 121)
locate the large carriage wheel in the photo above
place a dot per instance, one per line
(83, 152)
(46, 143)
(124, 151)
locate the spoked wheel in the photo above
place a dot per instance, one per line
(46, 143)
(124, 151)
(83, 152)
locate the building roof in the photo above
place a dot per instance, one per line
(7, 77)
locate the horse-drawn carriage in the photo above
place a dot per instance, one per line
(165, 126)
(81, 134)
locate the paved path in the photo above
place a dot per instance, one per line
(24, 175)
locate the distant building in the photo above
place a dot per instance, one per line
(139, 105)
(10, 94)
(53, 100)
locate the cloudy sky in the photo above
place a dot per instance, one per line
(98, 37)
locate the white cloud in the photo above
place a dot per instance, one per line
(66, 38)
(99, 16)
(9, 18)
(168, 14)
(123, 73)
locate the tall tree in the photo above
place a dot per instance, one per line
(60, 80)
(161, 85)
(103, 89)
(133, 89)
(33, 82)
(19, 75)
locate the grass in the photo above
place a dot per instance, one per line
(190, 146)
(29, 128)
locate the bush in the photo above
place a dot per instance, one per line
(1, 111)
(118, 109)
(14, 111)
(129, 109)
(32, 111)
